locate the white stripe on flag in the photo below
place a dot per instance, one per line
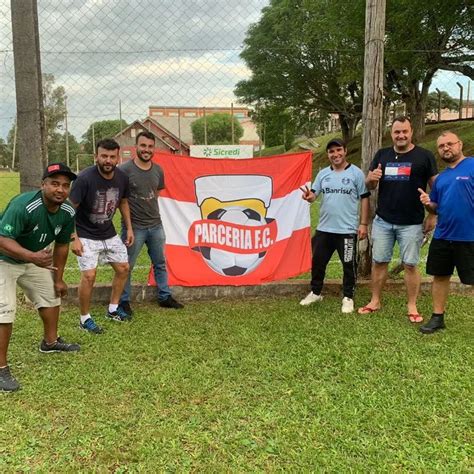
(291, 212)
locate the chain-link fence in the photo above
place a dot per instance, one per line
(111, 68)
(106, 61)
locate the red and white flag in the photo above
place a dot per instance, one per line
(235, 222)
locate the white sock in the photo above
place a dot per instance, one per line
(85, 317)
(112, 307)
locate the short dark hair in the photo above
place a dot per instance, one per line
(402, 119)
(108, 144)
(146, 134)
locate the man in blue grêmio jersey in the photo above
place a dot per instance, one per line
(342, 187)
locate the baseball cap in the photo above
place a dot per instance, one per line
(335, 141)
(59, 168)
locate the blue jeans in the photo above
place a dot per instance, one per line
(384, 235)
(154, 238)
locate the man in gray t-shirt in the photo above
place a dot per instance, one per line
(146, 180)
(342, 187)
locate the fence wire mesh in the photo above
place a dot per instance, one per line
(111, 60)
(106, 60)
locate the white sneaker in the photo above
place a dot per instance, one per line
(347, 305)
(310, 299)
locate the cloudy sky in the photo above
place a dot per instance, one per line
(141, 52)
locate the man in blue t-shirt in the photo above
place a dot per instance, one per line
(452, 198)
(342, 187)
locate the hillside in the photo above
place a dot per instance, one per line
(464, 129)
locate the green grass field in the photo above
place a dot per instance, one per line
(261, 385)
(256, 385)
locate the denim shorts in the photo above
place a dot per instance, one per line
(384, 235)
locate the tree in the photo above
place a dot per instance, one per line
(307, 56)
(57, 148)
(54, 102)
(219, 130)
(424, 37)
(275, 126)
(54, 109)
(278, 126)
(100, 130)
(447, 102)
(5, 154)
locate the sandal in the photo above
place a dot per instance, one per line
(367, 310)
(415, 318)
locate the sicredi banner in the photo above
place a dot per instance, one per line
(221, 151)
(235, 222)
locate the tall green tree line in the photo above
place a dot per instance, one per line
(307, 55)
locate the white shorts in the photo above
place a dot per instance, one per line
(36, 282)
(98, 252)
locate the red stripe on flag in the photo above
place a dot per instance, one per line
(288, 172)
(285, 259)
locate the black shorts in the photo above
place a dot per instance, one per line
(444, 255)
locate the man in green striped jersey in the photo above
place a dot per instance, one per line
(30, 224)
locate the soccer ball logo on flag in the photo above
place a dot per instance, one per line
(234, 233)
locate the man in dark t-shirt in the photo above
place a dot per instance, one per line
(146, 181)
(30, 224)
(97, 193)
(399, 171)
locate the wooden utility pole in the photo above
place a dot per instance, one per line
(15, 132)
(468, 98)
(67, 132)
(29, 94)
(439, 104)
(372, 111)
(205, 125)
(93, 138)
(460, 99)
(232, 121)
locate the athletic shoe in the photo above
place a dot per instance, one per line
(125, 305)
(310, 298)
(90, 326)
(170, 302)
(118, 315)
(60, 345)
(8, 383)
(434, 324)
(347, 305)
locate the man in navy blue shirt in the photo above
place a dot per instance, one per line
(398, 171)
(452, 198)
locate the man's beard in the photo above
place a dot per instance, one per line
(451, 159)
(145, 159)
(102, 168)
